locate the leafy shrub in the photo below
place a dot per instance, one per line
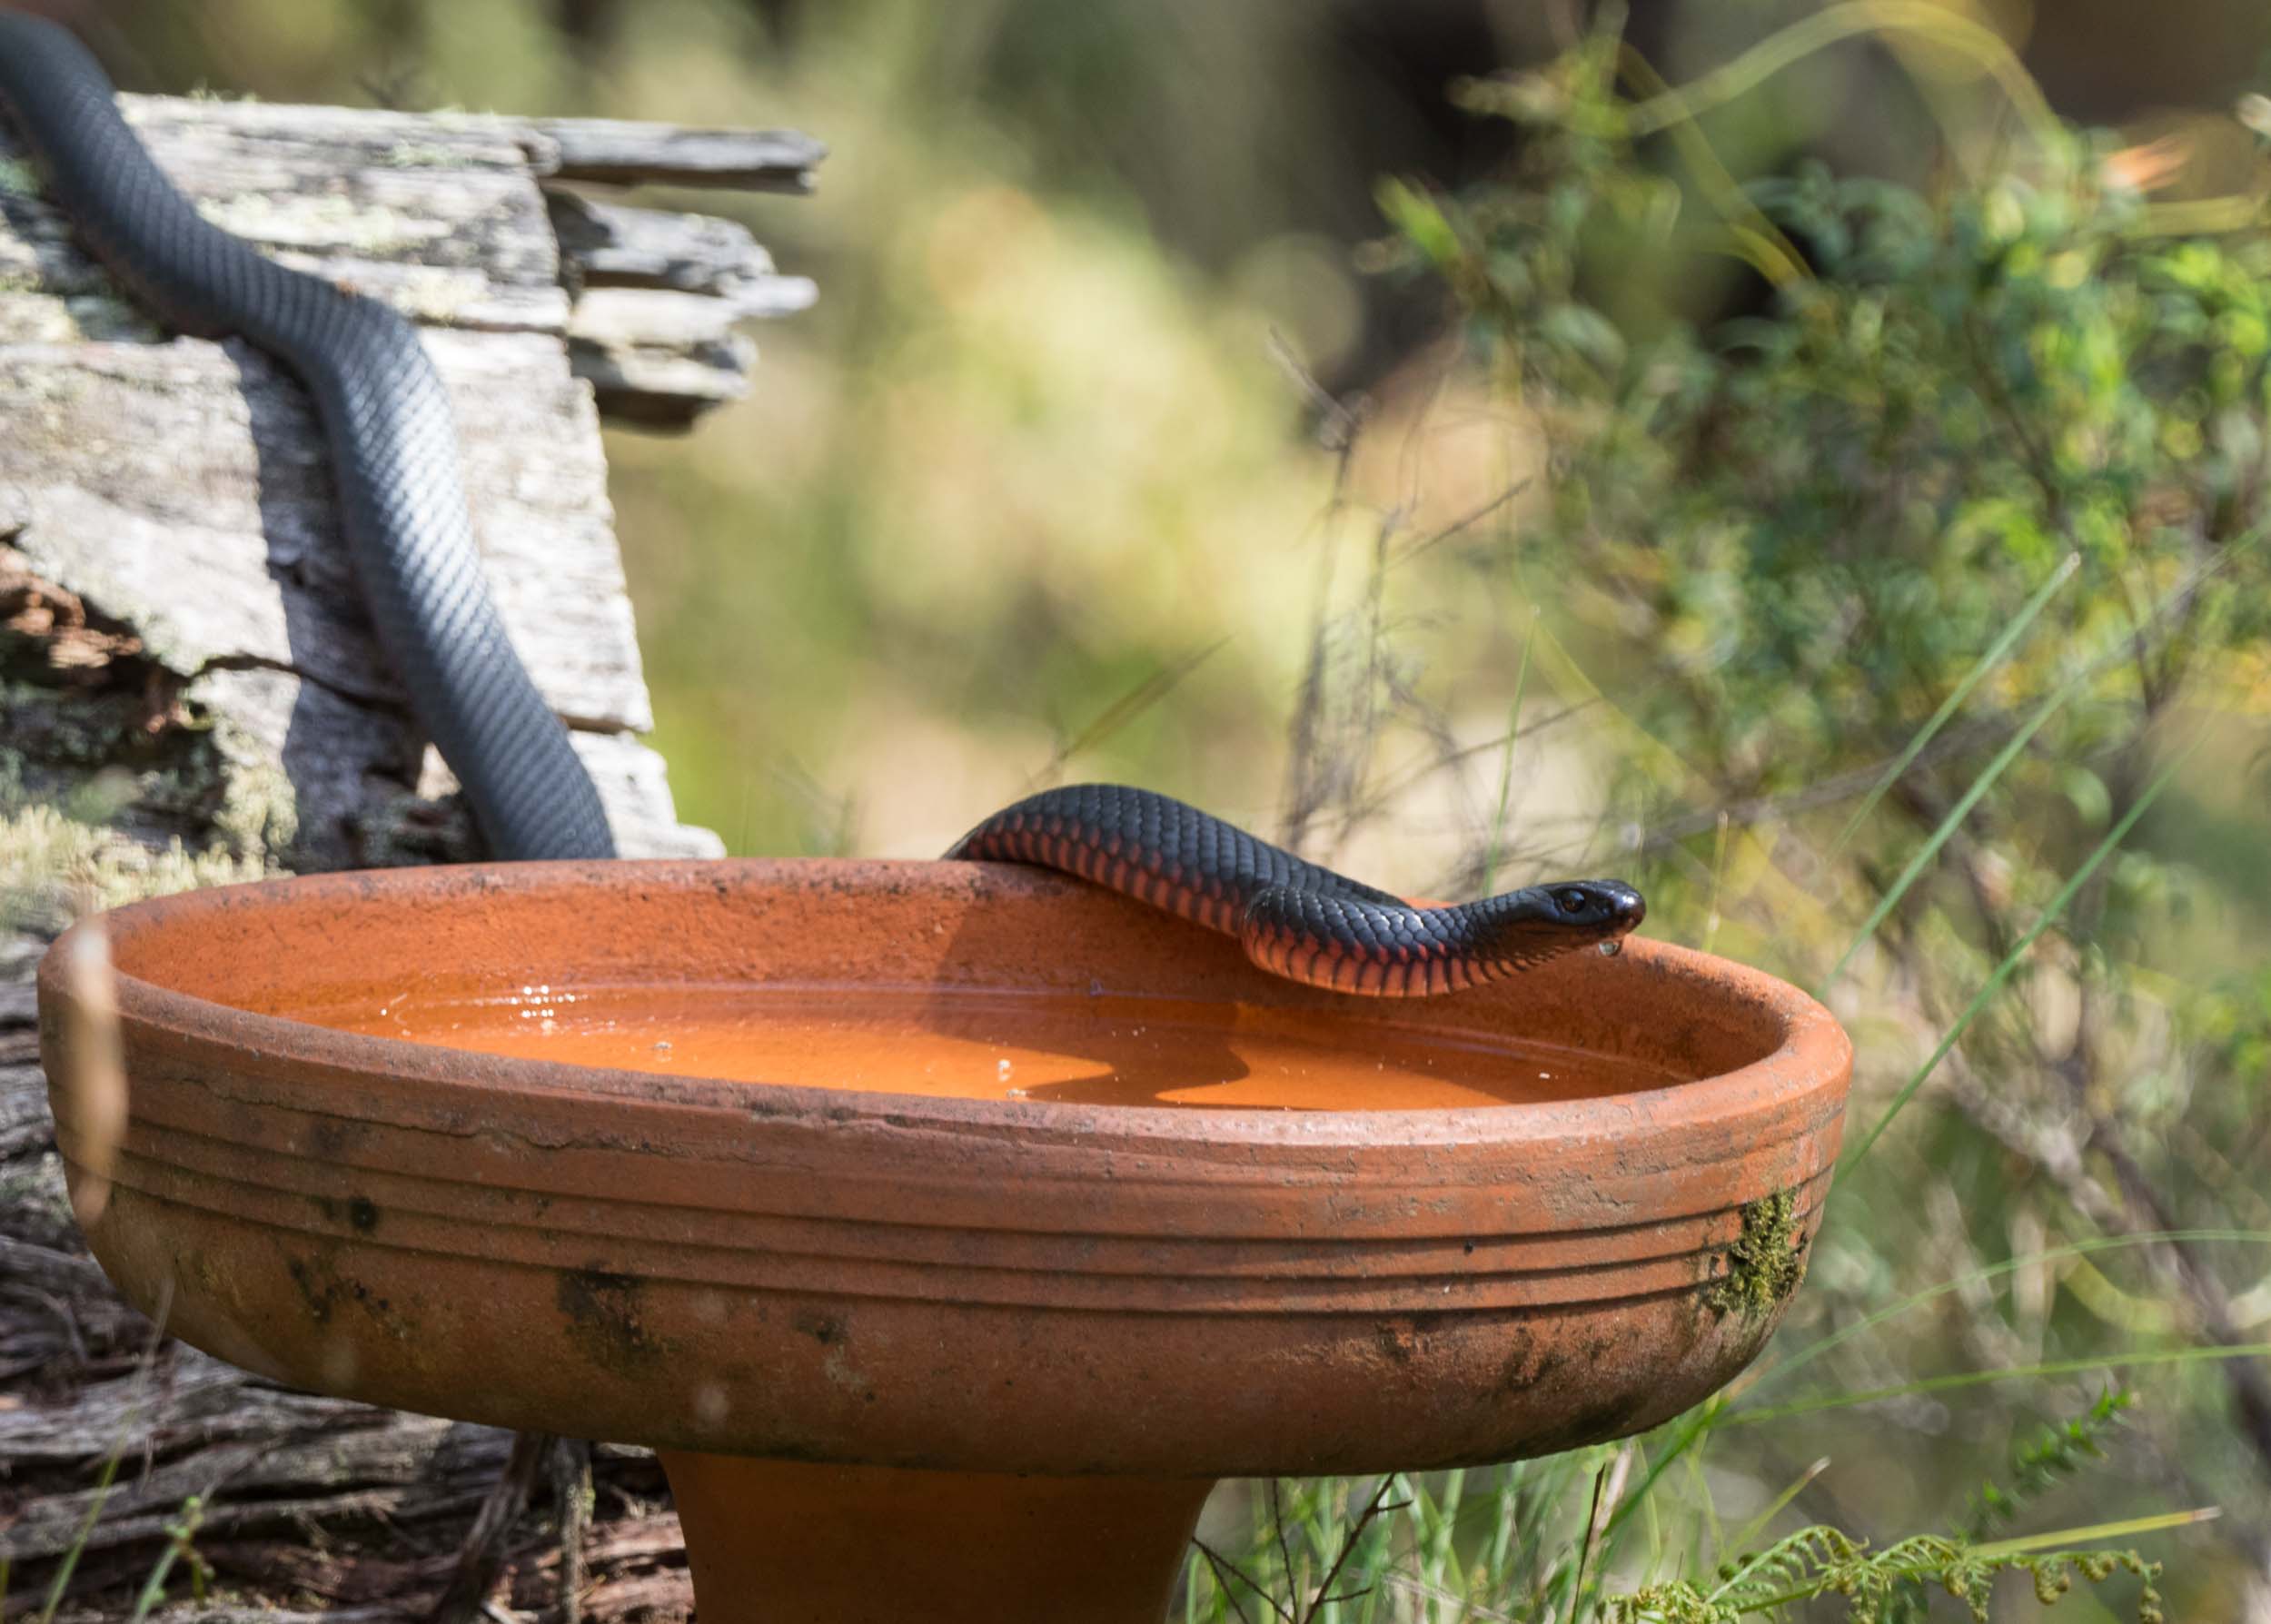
(1914, 590)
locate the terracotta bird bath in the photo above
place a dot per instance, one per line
(948, 1229)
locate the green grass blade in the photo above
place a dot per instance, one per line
(1815, 1349)
(1962, 690)
(70, 1563)
(2009, 965)
(1506, 767)
(2049, 707)
(154, 1589)
(1692, 1426)
(1757, 1525)
(1954, 820)
(2097, 1533)
(1955, 1380)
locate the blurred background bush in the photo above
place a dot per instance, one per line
(1829, 493)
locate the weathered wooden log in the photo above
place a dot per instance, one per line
(176, 492)
(190, 693)
(607, 149)
(614, 245)
(652, 354)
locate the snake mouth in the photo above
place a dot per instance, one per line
(1627, 908)
(1603, 909)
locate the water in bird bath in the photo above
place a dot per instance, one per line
(962, 1044)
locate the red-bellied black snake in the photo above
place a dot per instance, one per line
(1294, 918)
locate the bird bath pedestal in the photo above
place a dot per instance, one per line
(947, 1228)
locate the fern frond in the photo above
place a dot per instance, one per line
(1825, 1561)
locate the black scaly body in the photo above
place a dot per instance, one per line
(1295, 919)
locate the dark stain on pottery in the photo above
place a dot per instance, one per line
(604, 1317)
(823, 1329)
(1591, 1424)
(315, 1287)
(1527, 1364)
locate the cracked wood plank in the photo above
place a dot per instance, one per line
(443, 216)
(607, 149)
(660, 295)
(615, 245)
(438, 215)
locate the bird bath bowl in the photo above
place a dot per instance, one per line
(948, 1229)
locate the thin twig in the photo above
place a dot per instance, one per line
(1278, 1527)
(1465, 522)
(1585, 1551)
(1223, 1565)
(1372, 1508)
(1124, 709)
(572, 1491)
(481, 1558)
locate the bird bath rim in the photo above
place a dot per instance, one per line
(1812, 1046)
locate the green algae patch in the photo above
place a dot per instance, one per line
(1765, 1264)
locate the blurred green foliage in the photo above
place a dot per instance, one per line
(1784, 550)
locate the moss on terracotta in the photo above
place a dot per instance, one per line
(1765, 1264)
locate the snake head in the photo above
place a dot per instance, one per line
(1603, 912)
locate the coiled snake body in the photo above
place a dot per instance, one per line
(394, 456)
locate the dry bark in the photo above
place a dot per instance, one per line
(606, 149)
(185, 668)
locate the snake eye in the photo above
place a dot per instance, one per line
(1572, 900)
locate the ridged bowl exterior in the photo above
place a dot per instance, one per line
(999, 1286)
